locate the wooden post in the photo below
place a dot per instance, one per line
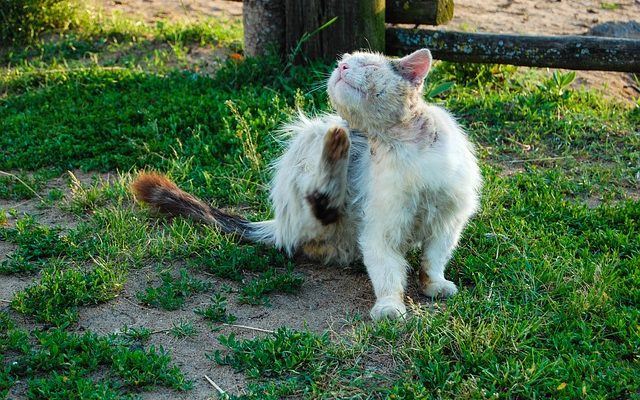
(263, 22)
(359, 25)
(571, 52)
(428, 12)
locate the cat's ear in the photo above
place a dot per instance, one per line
(415, 66)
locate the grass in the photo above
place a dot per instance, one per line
(57, 364)
(548, 270)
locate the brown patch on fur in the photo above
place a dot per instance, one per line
(336, 144)
(321, 209)
(166, 197)
(318, 250)
(423, 279)
(147, 182)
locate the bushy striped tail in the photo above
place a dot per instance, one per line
(167, 198)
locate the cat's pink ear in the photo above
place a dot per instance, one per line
(415, 66)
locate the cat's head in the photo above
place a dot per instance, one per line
(370, 90)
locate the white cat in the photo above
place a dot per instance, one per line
(386, 173)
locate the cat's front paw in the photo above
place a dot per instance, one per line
(439, 288)
(388, 307)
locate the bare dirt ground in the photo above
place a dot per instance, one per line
(541, 17)
(329, 296)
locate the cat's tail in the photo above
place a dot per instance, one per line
(166, 197)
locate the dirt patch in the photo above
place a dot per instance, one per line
(327, 295)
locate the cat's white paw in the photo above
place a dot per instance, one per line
(388, 307)
(440, 288)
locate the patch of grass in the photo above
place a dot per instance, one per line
(231, 260)
(24, 20)
(609, 6)
(136, 334)
(282, 352)
(217, 310)
(182, 329)
(271, 281)
(173, 290)
(22, 186)
(35, 242)
(59, 365)
(56, 296)
(142, 368)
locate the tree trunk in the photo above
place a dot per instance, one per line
(359, 25)
(427, 12)
(263, 22)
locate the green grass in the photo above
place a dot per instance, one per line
(173, 290)
(549, 270)
(59, 365)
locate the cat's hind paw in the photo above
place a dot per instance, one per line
(336, 144)
(440, 288)
(388, 307)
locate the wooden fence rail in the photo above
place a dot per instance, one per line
(571, 52)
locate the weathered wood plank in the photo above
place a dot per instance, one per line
(570, 52)
(360, 25)
(429, 12)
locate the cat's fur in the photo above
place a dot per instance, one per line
(386, 173)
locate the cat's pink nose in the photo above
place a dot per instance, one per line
(343, 66)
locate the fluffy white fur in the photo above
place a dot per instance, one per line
(410, 178)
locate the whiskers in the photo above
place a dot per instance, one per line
(321, 81)
(318, 86)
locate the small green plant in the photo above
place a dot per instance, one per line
(279, 354)
(217, 310)
(182, 329)
(35, 243)
(172, 291)
(140, 368)
(609, 6)
(55, 298)
(269, 282)
(557, 85)
(55, 194)
(57, 364)
(21, 187)
(138, 334)
(435, 89)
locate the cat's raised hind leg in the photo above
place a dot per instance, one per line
(330, 181)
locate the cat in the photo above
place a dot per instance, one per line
(386, 172)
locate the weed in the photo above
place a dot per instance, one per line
(609, 6)
(269, 282)
(60, 365)
(217, 310)
(35, 243)
(140, 334)
(282, 352)
(173, 291)
(182, 329)
(24, 20)
(140, 368)
(60, 291)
